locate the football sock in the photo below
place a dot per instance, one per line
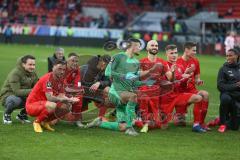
(197, 112)
(204, 111)
(42, 116)
(110, 125)
(130, 111)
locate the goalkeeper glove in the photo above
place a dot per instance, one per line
(131, 76)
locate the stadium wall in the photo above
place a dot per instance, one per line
(48, 40)
(92, 42)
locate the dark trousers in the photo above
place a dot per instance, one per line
(14, 102)
(229, 111)
(8, 39)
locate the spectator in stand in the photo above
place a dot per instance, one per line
(229, 41)
(57, 36)
(79, 6)
(229, 12)
(100, 22)
(147, 37)
(198, 6)
(37, 3)
(26, 30)
(8, 34)
(71, 5)
(177, 27)
(70, 31)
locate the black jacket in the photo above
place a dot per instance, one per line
(228, 76)
(91, 74)
(51, 61)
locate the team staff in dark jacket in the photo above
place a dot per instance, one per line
(94, 75)
(228, 84)
(96, 84)
(16, 88)
(58, 54)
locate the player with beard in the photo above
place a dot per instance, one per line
(48, 98)
(149, 103)
(125, 74)
(186, 61)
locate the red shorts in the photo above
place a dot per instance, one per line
(146, 92)
(35, 108)
(195, 91)
(167, 104)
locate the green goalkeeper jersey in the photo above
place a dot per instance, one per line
(118, 68)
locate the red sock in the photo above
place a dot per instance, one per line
(154, 105)
(102, 109)
(139, 124)
(143, 107)
(204, 111)
(197, 112)
(42, 116)
(180, 109)
(76, 112)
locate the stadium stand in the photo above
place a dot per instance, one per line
(62, 12)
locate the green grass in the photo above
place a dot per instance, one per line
(18, 141)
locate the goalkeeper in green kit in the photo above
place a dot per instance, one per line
(125, 74)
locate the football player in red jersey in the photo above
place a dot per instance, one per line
(47, 98)
(188, 61)
(73, 81)
(149, 99)
(180, 99)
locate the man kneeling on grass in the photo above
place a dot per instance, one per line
(47, 100)
(125, 74)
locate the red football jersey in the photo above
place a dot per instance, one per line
(72, 77)
(46, 84)
(178, 72)
(146, 64)
(186, 64)
(180, 82)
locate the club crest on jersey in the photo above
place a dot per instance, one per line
(49, 85)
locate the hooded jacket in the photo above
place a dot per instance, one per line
(228, 76)
(19, 82)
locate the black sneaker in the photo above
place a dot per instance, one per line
(23, 118)
(7, 118)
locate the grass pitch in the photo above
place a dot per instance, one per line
(18, 141)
